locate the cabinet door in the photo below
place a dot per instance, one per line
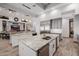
(15, 41)
(1, 25)
(44, 51)
(25, 50)
(52, 47)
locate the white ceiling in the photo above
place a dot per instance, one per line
(32, 9)
(22, 9)
(46, 6)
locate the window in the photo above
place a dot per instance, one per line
(45, 26)
(57, 23)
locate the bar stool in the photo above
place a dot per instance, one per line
(3, 36)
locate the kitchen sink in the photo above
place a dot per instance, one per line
(46, 37)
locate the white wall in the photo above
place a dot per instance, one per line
(36, 25)
(21, 26)
(65, 27)
(57, 23)
(9, 26)
(76, 26)
(0, 25)
(45, 25)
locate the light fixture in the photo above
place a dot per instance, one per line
(22, 19)
(26, 20)
(10, 11)
(16, 19)
(34, 5)
(54, 11)
(43, 15)
(29, 20)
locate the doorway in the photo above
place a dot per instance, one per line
(4, 24)
(71, 31)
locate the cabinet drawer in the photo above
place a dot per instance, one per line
(52, 47)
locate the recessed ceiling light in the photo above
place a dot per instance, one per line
(54, 11)
(26, 6)
(34, 5)
(43, 15)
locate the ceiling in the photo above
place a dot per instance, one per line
(47, 5)
(29, 9)
(43, 5)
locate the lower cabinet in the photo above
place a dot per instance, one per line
(47, 50)
(44, 51)
(52, 47)
(25, 50)
(14, 41)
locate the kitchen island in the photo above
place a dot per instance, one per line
(37, 46)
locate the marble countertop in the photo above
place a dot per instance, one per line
(36, 42)
(33, 42)
(16, 38)
(22, 33)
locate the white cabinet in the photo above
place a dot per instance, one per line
(52, 47)
(65, 27)
(25, 50)
(47, 50)
(14, 40)
(0, 25)
(9, 26)
(21, 26)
